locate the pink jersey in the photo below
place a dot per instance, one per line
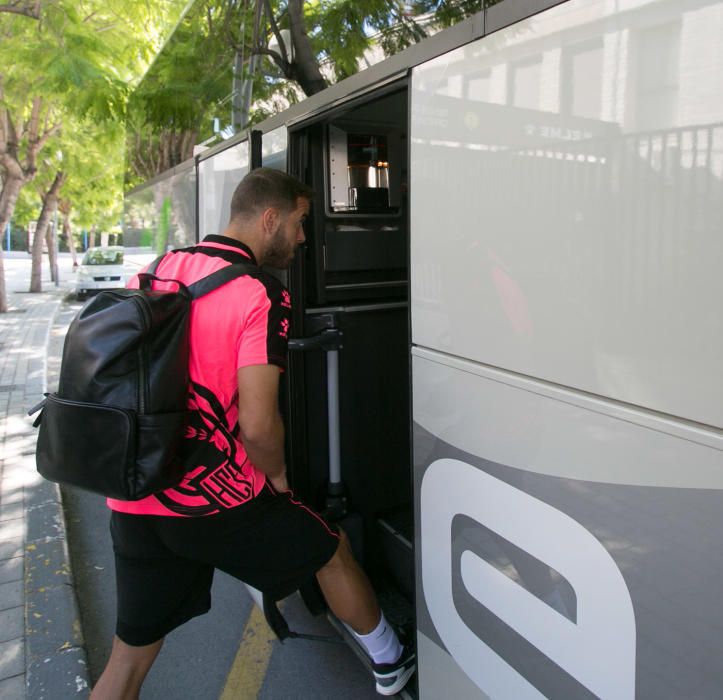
(243, 323)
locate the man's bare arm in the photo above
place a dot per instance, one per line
(260, 423)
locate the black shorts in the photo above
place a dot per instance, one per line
(164, 565)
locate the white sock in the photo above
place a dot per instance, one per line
(382, 643)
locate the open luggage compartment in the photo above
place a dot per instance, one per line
(351, 282)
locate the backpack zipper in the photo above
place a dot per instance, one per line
(142, 363)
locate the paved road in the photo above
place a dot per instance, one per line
(228, 653)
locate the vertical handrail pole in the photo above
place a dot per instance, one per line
(332, 384)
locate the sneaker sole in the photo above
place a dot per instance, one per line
(398, 685)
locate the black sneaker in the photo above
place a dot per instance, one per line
(391, 678)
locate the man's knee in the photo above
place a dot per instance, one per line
(138, 656)
(342, 557)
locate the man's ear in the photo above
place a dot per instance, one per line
(270, 220)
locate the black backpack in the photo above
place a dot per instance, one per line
(115, 425)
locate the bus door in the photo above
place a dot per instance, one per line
(347, 390)
(565, 276)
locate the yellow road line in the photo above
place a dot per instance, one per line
(252, 659)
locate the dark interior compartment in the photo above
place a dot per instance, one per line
(354, 248)
(374, 410)
(396, 544)
(353, 277)
(357, 238)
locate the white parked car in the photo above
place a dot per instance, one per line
(101, 268)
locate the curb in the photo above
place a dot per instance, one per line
(55, 655)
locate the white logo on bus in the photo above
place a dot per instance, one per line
(598, 650)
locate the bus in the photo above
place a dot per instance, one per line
(505, 379)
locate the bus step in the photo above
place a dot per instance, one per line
(395, 534)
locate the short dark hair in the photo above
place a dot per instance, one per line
(265, 187)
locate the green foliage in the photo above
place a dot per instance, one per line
(27, 208)
(338, 32)
(80, 55)
(190, 76)
(78, 63)
(190, 81)
(448, 12)
(187, 85)
(92, 155)
(93, 158)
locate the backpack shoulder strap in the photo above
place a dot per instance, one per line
(154, 265)
(145, 278)
(220, 277)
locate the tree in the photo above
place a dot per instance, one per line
(326, 40)
(210, 64)
(21, 140)
(93, 192)
(90, 157)
(65, 207)
(61, 58)
(50, 203)
(186, 81)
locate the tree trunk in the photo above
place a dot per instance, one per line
(8, 198)
(244, 114)
(36, 282)
(165, 149)
(304, 67)
(3, 292)
(68, 233)
(50, 201)
(187, 144)
(51, 237)
(35, 132)
(237, 82)
(28, 9)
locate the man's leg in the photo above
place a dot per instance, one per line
(125, 671)
(351, 598)
(347, 590)
(157, 590)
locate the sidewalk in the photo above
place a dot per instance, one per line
(42, 655)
